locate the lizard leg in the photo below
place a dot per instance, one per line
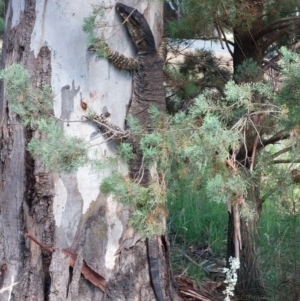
(162, 50)
(122, 62)
(119, 60)
(109, 129)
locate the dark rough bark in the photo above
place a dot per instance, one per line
(26, 193)
(249, 285)
(245, 45)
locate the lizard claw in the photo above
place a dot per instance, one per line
(100, 48)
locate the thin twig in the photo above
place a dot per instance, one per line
(282, 151)
(194, 262)
(254, 152)
(286, 161)
(219, 34)
(226, 42)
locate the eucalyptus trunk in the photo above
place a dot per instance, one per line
(68, 212)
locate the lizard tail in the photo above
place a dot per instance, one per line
(153, 254)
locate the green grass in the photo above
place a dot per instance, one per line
(193, 220)
(279, 250)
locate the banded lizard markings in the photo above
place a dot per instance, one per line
(153, 259)
(148, 90)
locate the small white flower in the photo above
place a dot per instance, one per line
(231, 277)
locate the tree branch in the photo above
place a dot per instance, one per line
(286, 161)
(269, 64)
(273, 39)
(278, 25)
(284, 150)
(295, 46)
(219, 35)
(281, 135)
(267, 194)
(272, 62)
(226, 41)
(215, 39)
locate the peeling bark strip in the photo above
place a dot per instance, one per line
(88, 273)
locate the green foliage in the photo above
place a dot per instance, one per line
(57, 151)
(203, 142)
(253, 109)
(103, 164)
(204, 67)
(34, 106)
(199, 18)
(148, 203)
(135, 127)
(195, 222)
(125, 151)
(188, 150)
(91, 22)
(31, 104)
(2, 27)
(91, 25)
(199, 71)
(244, 95)
(244, 103)
(151, 145)
(289, 94)
(280, 244)
(222, 188)
(194, 219)
(247, 71)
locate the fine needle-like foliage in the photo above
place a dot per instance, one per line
(91, 25)
(148, 203)
(56, 150)
(29, 103)
(289, 94)
(34, 106)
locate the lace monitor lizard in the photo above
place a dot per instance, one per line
(148, 90)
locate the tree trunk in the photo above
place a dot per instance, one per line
(249, 281)
(249, 285)
(68, 211)
(245, 47)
